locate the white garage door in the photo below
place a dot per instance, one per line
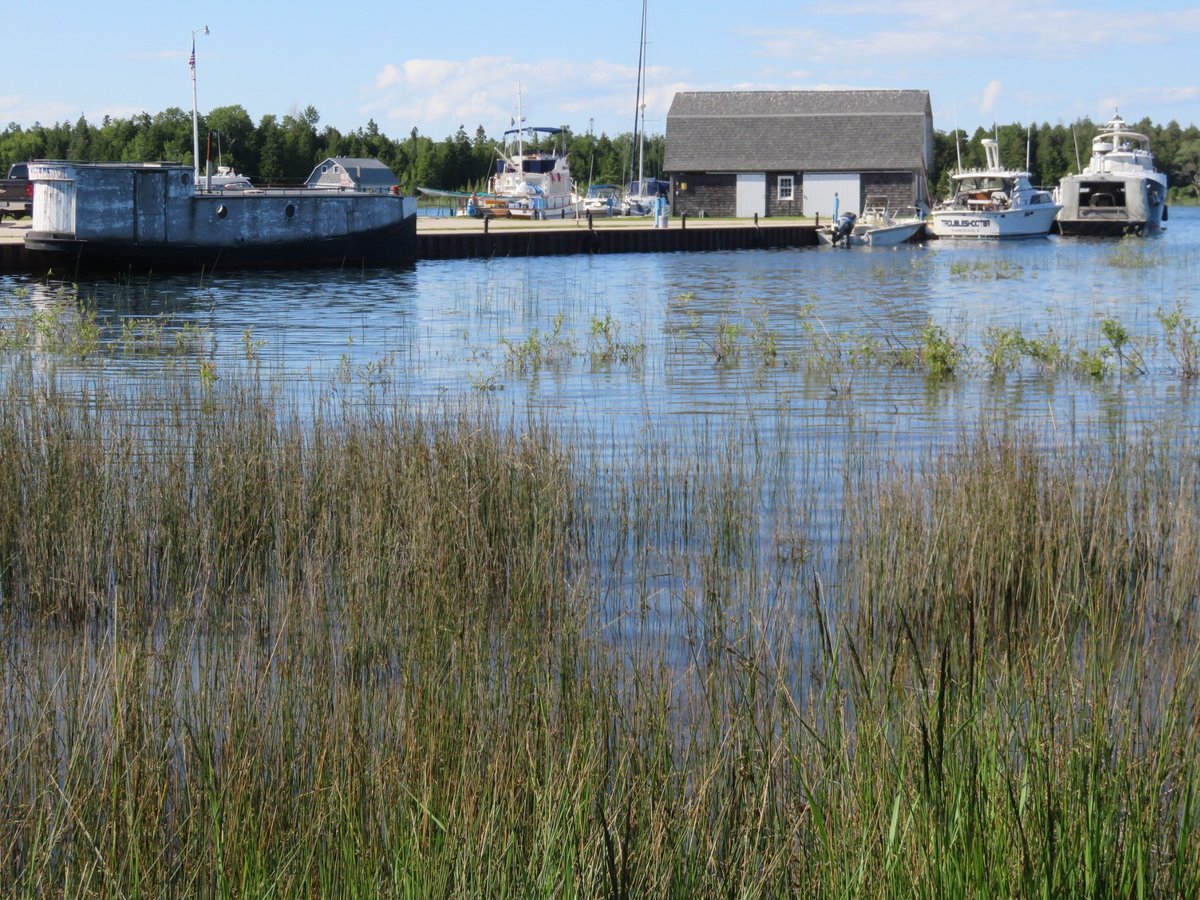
(751, 194)
(819, 191)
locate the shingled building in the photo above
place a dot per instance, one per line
(773, 153)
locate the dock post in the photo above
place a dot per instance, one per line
(485, 224)
(589, 217)
(683, 221)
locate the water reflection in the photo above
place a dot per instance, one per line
(758, 337)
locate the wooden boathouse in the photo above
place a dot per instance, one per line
(788, 153)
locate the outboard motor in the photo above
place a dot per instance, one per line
(842, 228)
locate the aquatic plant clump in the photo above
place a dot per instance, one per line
(370, 650)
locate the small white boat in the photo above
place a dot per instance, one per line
(603, 200)
(876, 227)
(993, 202)
(1119, 191)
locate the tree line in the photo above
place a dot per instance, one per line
(283, 150)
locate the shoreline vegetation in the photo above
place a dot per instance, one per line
(255, 645)
(284, 149)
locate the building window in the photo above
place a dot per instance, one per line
(786, 187)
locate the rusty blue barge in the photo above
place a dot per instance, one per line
(153, 216)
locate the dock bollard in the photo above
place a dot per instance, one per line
(683, 221)
(756, 220)
(589, 215)
(485, 224)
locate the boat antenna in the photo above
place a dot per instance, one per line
(1075, 141)
(957, 145)
(1028, 141)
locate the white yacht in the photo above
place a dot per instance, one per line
(534, 183)
(1119, 191)
(993, 202)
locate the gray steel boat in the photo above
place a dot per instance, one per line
(152, 216)
(1119, 191)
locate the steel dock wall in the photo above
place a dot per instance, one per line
(478, 242)
(578, 239)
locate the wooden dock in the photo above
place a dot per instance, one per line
(463, 238)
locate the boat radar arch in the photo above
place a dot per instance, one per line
(992, 149)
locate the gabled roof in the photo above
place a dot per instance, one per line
(739, 131)
(364, 172)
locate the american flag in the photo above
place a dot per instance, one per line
(192, 60)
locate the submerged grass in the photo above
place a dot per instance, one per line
(253, 650)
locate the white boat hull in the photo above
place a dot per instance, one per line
(891, 235)
(1013, 223)
(876, 236)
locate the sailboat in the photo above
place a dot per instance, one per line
(641, 195)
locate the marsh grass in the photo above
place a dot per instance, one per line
(250, 649)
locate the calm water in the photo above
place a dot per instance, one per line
(757, 340)
(742, 355)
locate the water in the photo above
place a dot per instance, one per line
(752, 342)
(780, 363)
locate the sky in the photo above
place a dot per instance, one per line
(437, 66)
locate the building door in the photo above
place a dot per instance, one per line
(751, 194)
(820, 189)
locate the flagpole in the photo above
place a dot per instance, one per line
(195, 120)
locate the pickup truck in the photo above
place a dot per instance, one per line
(16, 192)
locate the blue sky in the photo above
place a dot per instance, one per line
(435, 66)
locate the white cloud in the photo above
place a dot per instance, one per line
(438, 95)
(940, 32)
(991, 93)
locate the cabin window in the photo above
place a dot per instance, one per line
(324, 169)
(785, 188)
(222, 211)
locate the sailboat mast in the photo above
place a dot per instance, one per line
(639, 111)
(642, 97)
(520, 132)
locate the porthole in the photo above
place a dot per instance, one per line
(289, 210)
(185, 179)
(222, 211)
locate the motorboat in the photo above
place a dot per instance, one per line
(532, 178)
(226, 179)
(876, 227)
(1119, 191)
(993, 202)
(604, 199)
